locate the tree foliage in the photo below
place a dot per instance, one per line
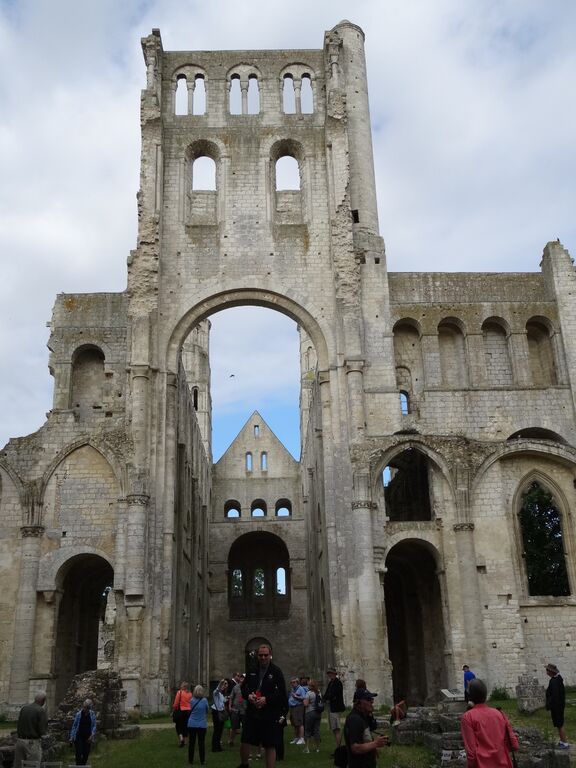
(543, 545)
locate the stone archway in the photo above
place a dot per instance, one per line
(415, 622)
(84, 582)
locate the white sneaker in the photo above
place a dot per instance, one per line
(300, 741)
(294, 741)
(563, 745)
(306, 751)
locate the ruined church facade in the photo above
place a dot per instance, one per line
(434, 409)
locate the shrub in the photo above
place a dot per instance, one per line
(499, 693)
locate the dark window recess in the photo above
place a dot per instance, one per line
(355, 216)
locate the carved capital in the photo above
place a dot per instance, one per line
(463, 527)
(32, 531)
(137, 499)
(363, 504)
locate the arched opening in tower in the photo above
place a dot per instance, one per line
(86, 581)
(415, 623)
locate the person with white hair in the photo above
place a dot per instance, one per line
(83, 732)
(32, 725)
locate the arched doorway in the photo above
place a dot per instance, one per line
(85, 582)
(415, 622)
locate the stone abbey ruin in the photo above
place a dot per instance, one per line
(429, 519)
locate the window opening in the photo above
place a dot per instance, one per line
(195, 398)
(232, 508)
(259, 585)
(264, 461)
(542, 539)
(235, 95)
(262, 560)
(237, 583)
(199, 103)
(404, 403)
(258, 508)
(355, 216)
(306, 96)
(406, 487)
(288, 96)
(181, 103)
(280, 581)
(253, 96)
(248, 462)
(203, 174)
(283, 508)
(287, 173)
(256, 430)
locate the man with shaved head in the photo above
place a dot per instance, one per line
(32, 725)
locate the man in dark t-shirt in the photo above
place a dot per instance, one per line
(360, 744)
(266, 703)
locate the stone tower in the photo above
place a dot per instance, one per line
(433, 408)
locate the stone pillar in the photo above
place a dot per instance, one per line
(431, 360)
(46, 629)
(476, 359)
(298, 95)
(560, 277)
(352, 77)
(140, 385)
(520, 358)
(244, 90)
(190, 86)
(25, 618)
(137, 507)
(354, 379)
(470, 595)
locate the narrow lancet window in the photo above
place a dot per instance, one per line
(288, 96)
(181, 103)
(199, 96)
(253, 96)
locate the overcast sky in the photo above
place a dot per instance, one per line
(474, 120)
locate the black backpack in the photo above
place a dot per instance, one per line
(341, 757)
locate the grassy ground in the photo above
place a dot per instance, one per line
(159, 749)
(541, 718)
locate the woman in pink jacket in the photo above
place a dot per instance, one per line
(487, 733)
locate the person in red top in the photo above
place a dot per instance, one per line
(487, 733)
(181, 711)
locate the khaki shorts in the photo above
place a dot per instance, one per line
(334, 721)
(297, 715)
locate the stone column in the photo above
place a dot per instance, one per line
(244, 90)
(190, 86)
(470, 595)
(298, 95)
(25, 618)
(140, 385)
(137, 507)
(354, 380)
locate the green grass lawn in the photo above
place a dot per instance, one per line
(159, 749)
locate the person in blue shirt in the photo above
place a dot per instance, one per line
(468, 676)
(198, 724)
(83, 732)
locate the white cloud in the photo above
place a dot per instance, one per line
(474, 123)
